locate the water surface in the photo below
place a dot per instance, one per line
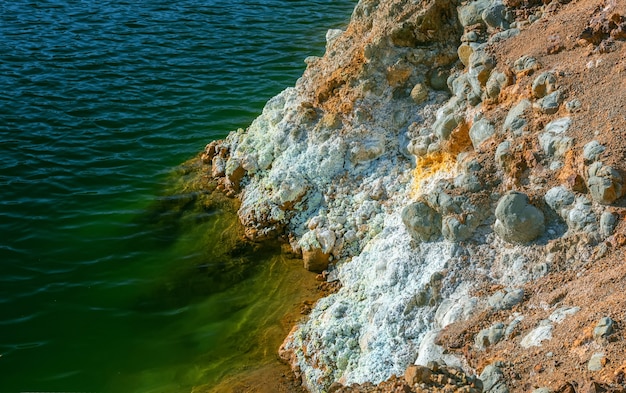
(104, 255)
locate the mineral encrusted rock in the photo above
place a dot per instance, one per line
(451, 181)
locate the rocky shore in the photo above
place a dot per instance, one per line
(457, 168)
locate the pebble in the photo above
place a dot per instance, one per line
(597, 361)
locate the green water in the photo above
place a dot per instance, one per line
(115, 274)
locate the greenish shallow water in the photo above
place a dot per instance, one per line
(104, 259)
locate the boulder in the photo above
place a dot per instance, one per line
(554, 144)
(517, 221)
(468, 88)
(471, 13)
(315, 260)
(454, 229)
(422, 222)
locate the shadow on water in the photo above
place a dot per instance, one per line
(217, 255)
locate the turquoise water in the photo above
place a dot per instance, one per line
(103, 255)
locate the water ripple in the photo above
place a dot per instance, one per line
(99, 100)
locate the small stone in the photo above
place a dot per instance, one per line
(419, 93)
(592, 151)
(597, 362)
(536, 336)
(517, 221)
(417, 374)
(525, 64)
(544, 84)
(550, 103)
(542, 390)
(471, 36)
(608, 221)
(503, 153)
(493, 380)
(604, 183)
(604, 328)
(515, 121)
(464, 52)
(494, 16)
(573, 105)
(480, 131)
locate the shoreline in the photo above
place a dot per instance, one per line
(437, 162)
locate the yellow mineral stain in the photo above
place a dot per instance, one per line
(442, 161)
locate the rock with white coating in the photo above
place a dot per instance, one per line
(581, 216)
(561, 313)
(536, 336)
(517, 221)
